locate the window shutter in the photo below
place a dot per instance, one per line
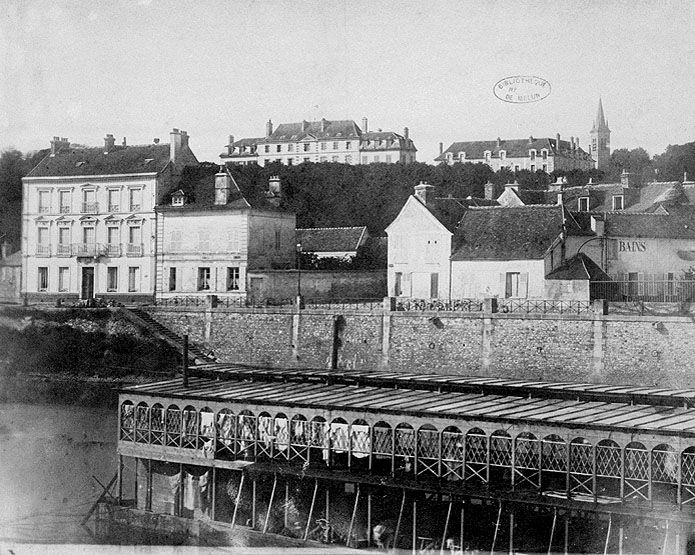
(523, 285)
(503, 285)
(640, 283)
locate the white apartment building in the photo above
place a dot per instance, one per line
(88, 218)
(321, 141)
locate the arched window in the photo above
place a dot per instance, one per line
(299, 438)
(581, 466)
(206, 431)
(127, 420)
(226, 426)
(281, 431)
(636, 471)
(157, 424)
(427, 451)
(452, 453)
(142, 424)
(527, 460)
(190, 427)
(172, 425)
(476, 455)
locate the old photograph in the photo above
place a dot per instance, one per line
(347, 276)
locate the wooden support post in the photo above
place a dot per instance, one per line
(511, 531)
(311, 508)
(135, 485)
(497, 528)
(567, 534)
(414, 526)
(352, 518)
(398, 522)
(369, 519)
(594, 487)
(568, 475)
(463, 515)
(179, 511)
(446, 527)
(620, 539)
(328, 500)
(270, 503)
(148, 493)
(120, 478)
(651, 479)
(287, 503)
(253, 504)
(184, 362)
(238, 498)
(663, 549)
(552, 532)
(608, 534)
(679, 493)
(213, 493)
(622, 475)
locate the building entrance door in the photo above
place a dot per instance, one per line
(87, 283)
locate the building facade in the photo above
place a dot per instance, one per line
(88, 218)
(211, 238)
(533, 154)
(339, 141)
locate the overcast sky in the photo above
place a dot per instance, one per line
(83, 68)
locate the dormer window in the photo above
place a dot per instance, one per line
(503, 154)
(178, 198)
(618, 202)
(487, 155)
(462, 156)
(449, 156)
(583, 204)
(532, 154)
(544, 154)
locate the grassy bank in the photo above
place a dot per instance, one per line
(76, 355)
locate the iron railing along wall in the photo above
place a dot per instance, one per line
(663, 291)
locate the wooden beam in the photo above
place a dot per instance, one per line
(446, 526)
(369, 519)
(511, 531)
(311, 508)
(253, 504)
(414, 526)
(270, 503)
(354, 514)
(497, 528)
(608, 534)
(398, 522)
(552, 532)
(238, 499)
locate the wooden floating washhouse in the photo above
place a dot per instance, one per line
(236, 432)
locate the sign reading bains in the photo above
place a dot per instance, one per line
(521, 89)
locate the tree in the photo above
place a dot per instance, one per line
(674, 162)
(635, 161)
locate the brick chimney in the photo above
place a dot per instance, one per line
(406, 132)
(269, 128)
(223, 184)
(184, 138)
(598, 224)
(441, 148)
(109, 142)
(175, 145)
(305, 125)
(364, 125)
(490, 190)
(425, 192)
(572, 143)
(530, 139)
(557, 141)
(499, 142)
(324, 124)
(57, 143)
(627, 179)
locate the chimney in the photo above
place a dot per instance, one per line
(223, 184)
(598, 225)
(156, 140)
(530, 140)
(124, 144)
(4, 250)
(557, 186)
(175, 144)
(324, 124)
(441, 148)
(499, 142)
(490, 191)
(57, 143)
(269, 128)
(425, 192)
(305, 125)
(572, 142)
(576, 142)
(626, 179)
(557, 141)
(274, 193)
(230, 145)
(109, 142)
(406, 132)
(560, 198)
(184, 138)
(364, 125)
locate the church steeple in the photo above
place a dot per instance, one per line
(600, 140)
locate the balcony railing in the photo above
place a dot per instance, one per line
(43, 250)
(87, 249)
(90, 207)
(65, 209)
(64, 250)
(135, 207)
(113, 249)
(659, 291)
(133, 249)
(114, 207)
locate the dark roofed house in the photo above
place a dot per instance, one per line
(321, 141)
(332, 242)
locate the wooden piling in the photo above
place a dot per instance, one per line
(238, 499)
(270, 503)
(414, 526)
(497, 528)
(552, 532)
(354, 514)
(446, 526)
(311, 508)
(398, 522)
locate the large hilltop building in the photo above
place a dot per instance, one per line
(321, 141)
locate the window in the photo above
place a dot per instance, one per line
(266, 161)
(364, 159)
(533, 167)
(65, 202)
(63, 279)
(112, 278)
(306, 147)
(545, 154)
(583, 204)
(511, 288)
(266, 148)
(44, 201)
(135, 199)
(43, 278)
(503, 154)
(348, 144)
(290, 147)
(113, 235)
(398, 284)
(278, 148)
(323, 159)
(278, 239)
(43, 236)
(290, 161)
(487, 155)
(516, 168)
(89, 201)
(434, 286)
(335, 146)
(334, 159)
(388, 158)
(88, 235)
(545, 167)
(133, 279)
(134, 235)
(63, 235)
(203, 279)
(307, 159)
(376, 158)
(532, 154)
(172, 279)
(348, 159)
(618, 202)
(177, 200)
(233, 279)
(114, 200)
(323, 146)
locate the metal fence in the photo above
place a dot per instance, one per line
(345, 304)
(453, 305)
(661, 291)
(533, 306)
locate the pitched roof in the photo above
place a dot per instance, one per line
(579, 266)
(514, 148)
(385, 140)
(657, 226)
(500, 233)
(331, 239)
(447, 210)
(325, 129)
(85, 161)
(198, 186)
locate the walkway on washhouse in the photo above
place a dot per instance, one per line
(616, 449)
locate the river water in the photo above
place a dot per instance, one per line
(48, 455)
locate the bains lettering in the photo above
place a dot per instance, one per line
(632, 246)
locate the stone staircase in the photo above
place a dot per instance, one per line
(142, 318)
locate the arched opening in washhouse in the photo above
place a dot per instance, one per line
(142, 423)
(299, 439)
(427, 452)
(404, 449)
(608, 468)
(127, 421)
(554, 457)
(360, 445)
(500, 459)
(246, 434)
(382, 448)
(226, 435)
(206, 431)
(476, 467)
(452, 453)
(318, 441)
(339, 438)
(664, 474)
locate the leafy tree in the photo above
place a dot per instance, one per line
(677, 159)
(635, 161)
